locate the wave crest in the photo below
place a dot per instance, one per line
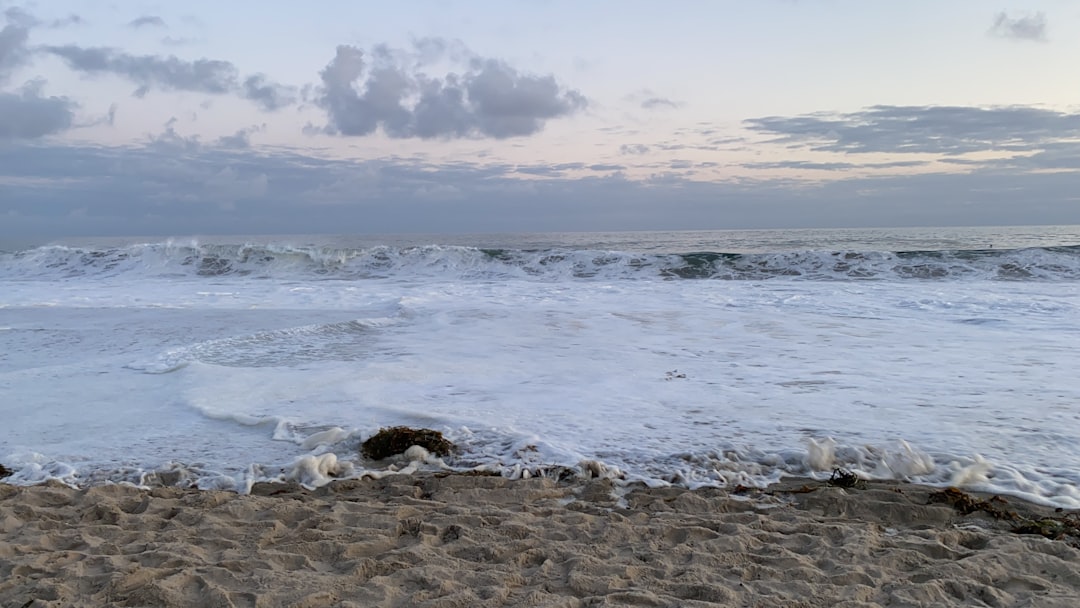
(283, 261)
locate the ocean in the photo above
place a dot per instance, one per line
(716, 358)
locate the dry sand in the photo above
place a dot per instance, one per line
(463, 540)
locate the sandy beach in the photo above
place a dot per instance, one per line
(476, 540)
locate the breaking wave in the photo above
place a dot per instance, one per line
(281, 261)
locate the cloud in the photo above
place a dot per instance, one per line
(649, 100)
(71, 19)
(360, 94)
(834, 166)
(26, 113)
(539, 170)
(147, 21)
(949, 130)
(635, 149)
(19, 17)
(1059, 157)
(269, 95)
(171, 73)
(654, 103)
(1028, 27)
(507, 104)
(241, 140)
(29, 115)
(13, 51)
(172, 142)
(148, 71)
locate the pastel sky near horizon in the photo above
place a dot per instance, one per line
(242, 117)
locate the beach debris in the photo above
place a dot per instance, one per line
(5, 472)
(396, 440)
(1066, 527)
(1054, 528)
(674, 374)
(967, 504)
(843, 478)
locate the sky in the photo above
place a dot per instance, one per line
(342, 117)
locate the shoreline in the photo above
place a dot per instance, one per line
(454, 539)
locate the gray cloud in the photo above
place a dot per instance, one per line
(654, 103)
(1060, 156)
(149, 72)
(490, 99)
(635, 149)
(26, 113)
(836, 166)
(71, 19)
(352, 113)
(147, 21)
(171, 73)
(19, 17)
(29, 115)
(13, 51)
(538, 170)
(241, 140)
(922, 129)
(568, 166)
(649, 100)
(1028, 27)
(170, 141)
(507, 104)
(269, 95)
(560, 169)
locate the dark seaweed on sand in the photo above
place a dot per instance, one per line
(1066, 527)
(395, 440)
(842, 478)
(4, 471)
(967, 504)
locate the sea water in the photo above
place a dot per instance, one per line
(944, 356)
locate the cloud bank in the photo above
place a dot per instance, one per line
(177, 185)
(949, 130)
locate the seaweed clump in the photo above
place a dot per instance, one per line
(1066, 527)
(968, 504)
(1054, 528)
(5, 472)
(842, 478)
(395, 440)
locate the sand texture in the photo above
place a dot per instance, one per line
(473, 541)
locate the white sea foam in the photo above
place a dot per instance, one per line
(275, 363)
